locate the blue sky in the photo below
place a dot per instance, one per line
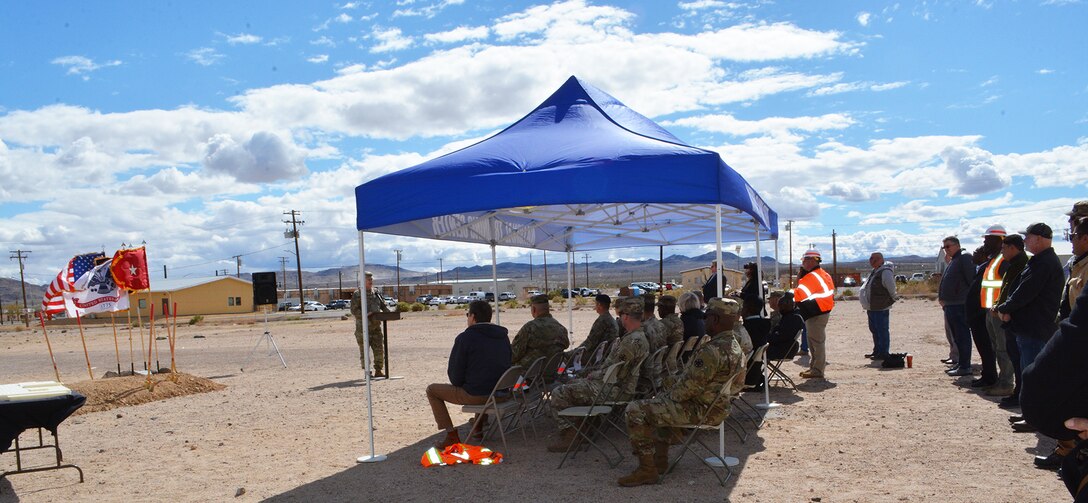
(194, 125)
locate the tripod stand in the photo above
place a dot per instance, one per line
(270, 343)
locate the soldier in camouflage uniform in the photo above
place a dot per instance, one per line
(655, 335)
(630, 349)
(603, 329)
(374, 303)
(541, 336)
(674, 327)
(713, 365)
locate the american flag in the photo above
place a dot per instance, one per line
(53, 302)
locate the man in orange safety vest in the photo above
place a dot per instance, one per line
(815, 297)
(993, 273)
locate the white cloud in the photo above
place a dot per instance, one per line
(243, 38)
(974, 171)
(793, 203)
(80, 65)
(1061, 166)
(323, 41)
(459, 34)
(777, 126)
(320, 58)
(427, 11)
(570, 20)
(844, 87)
(205, 56)
(389, 39)
(264, 157)
(888, 86)
(759, 42)
(848, 191)
(1044, 71)
(342, 18)
(863, 18)
(702, 4)
(349, 6)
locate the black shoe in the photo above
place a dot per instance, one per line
(982, 383)
(1023, 427)
(1009, 402)
(948, 361)
(1051, 462)
(1015, 418)
(870, 355)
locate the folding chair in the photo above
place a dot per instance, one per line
(685, 352)
(658, 366)
(501, 403)
(549, 375)
(601, 353)
(672, 365)
(755, 362)
(774, 368)
(574, 364)
(580, 417)
(531, 394)
(619, 406)
(723, 394)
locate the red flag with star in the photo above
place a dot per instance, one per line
(129, 269)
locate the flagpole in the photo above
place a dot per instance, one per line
(56, 372)
(79, 322)
(173, 343)
(140, 323)
(151, 335)
(131, 357)
(116, 348)
(153, 341)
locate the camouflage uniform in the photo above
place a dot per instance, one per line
(685, 402)
(541, 336)
(655, 335)
(630, 349)
(374, 303)
(603, 330)
(674, 329)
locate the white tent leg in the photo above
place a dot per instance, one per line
(495, 284)
(767, 403)
(373, 457)
(777, 275)
(570, 299)
(713, 461)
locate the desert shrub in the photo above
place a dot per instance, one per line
(416, 307)
(403, 307)
(511, 304)
(441, 307)
(196, 319)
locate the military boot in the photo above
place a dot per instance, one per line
(646, 473)
(661, 457)
(566, 438)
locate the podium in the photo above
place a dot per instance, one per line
(41, 405)
(385, 317)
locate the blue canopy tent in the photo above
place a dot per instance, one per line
(580, 172)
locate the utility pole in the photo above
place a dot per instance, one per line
(530, 267)
(298, 258)
(340, 278)
(398, 273)
(237, 266)
(661, 266)
(834, 255)
(440, 270)
(789, 229)
(19, 254)
(545, 271)
(586, 256)
(283, 274)
(164, 271)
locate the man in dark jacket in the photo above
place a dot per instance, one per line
(955, 283)
(784, 335)
(976, 319)
(480, 355)
(1030, 310)
(710, 288)
(1012, 250)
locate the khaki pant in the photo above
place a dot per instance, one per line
(440, 394)
(817, 339)
(377, 345)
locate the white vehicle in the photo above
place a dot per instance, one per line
(507, 296)
(476, 296)
(533, 292)
(918, 277)
(391, 302)
(588, 292)
(312, 305)
(437, 301)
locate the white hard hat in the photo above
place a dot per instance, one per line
(995, 230)
(812, 253)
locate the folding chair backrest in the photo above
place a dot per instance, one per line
(611, 373)
(507, 381)
(758, 356)
(672, 356)
(551, 367)
(575, 361)
(724, 395)
(601, 352)
(535, 372)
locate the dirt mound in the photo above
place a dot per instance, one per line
(106, 394)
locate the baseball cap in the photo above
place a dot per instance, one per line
(723, 306)
(1039, 229)
(1080, 209)
(539, 299)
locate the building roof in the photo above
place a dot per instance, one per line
(175, 284)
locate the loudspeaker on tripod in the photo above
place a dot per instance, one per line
(264, 288)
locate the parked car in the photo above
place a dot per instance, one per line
(918, 277)
(900, 278)
(424, 299)
(573, 293)
(338, 304)
(391, 302)
(437, 301)
(669, 285)
(532, 292)
(507, 296)
(646, 286)
(287, 305)
(588, 292)
(849, 281)
(313, 305)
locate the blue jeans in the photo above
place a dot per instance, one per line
(1030, 347)
(879, 322)
(956, 316)
(804, 340)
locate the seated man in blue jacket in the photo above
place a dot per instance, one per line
(480, 355)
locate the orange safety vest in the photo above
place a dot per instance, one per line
(460, 454)
(818, 286)
(991, 283)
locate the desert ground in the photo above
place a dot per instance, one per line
(865, 434)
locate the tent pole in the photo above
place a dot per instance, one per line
(495, 284)
(767, 403)
(373, 457)
(570, 298)
(717, 461)
(777, 274)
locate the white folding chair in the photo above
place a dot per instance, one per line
(501, 403)
(581, 419)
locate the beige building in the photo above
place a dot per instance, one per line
(215, 295)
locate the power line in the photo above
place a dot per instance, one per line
(22, 282)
